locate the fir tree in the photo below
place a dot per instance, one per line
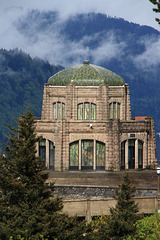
(27, 205)
(157, 10)
(123, 216)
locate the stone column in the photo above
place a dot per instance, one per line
(136, 154)
(79, 155)
(94, 156)
(47, 153)
(126, 154)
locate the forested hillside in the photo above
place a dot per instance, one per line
(21, 80)
(128, 49)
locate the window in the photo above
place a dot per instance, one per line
(42, 150)
(100, 155)
(114, 110)
(80, 111)
(74, 156)
(87, 154)
(58, 110)
(93, 111)
(88, 160)
(54, 111)
(86, 111)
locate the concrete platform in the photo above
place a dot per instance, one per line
(141, 179)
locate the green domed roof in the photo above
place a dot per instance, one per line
(86, 75)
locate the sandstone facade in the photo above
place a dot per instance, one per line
(90, 128)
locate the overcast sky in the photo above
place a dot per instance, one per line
(137, 11)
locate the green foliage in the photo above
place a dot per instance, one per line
(148, 228)
(28, 208)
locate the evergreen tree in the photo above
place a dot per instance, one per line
(123, 216)
(157, 10)
(27, 205)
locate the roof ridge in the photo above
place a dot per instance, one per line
(97, 71)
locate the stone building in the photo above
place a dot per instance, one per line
(86, 123)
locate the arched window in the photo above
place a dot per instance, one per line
(74, 156)
(86, 111)
(58, 110)
(87, 159)
(100, 155)
(114, 110)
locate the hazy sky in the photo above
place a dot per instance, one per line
(137, 11)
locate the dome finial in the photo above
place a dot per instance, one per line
(86, 62)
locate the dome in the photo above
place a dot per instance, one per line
(86, 75)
